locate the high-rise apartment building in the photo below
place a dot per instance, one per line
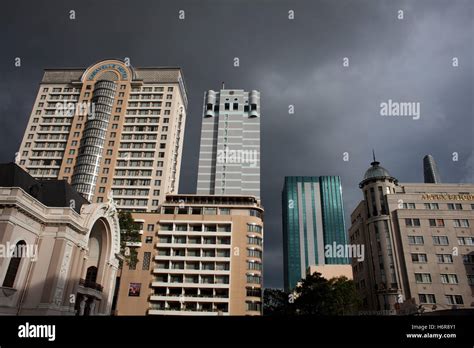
(109, 128)
(430, 170)
(200, 255)
(419, 244)
(313, 219)
(229, 157)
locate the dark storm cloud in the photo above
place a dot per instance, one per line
(295, 62)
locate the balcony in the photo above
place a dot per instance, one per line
(194, 312)
(134, 244)
(91, 285)
(90, 288)
(190, 298)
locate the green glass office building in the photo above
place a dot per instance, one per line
(313, 217)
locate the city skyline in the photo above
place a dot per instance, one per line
(336, 108)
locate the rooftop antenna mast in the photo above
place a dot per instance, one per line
(373, 156)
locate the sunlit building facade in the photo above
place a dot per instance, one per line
(110, 130)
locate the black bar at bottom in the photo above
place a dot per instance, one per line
(137, 331)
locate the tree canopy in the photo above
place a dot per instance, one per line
(129, 232)
(314, 295)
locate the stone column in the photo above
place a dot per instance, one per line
(82, 305)
(92, 306)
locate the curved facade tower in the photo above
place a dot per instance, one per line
(89, 158)
(381, 243)
(121, 137)
(409, 232)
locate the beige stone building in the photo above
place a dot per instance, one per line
(109, 128)
(329, 271)
(419, 244)
(58, 253)
(200, 255)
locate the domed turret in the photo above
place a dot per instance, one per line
(377, 172)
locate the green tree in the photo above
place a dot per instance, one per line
(276, 302)
(346, 298)
(129, 232)
(318, 296)
(314, 295)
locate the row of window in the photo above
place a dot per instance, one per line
(146, 97)
(49, 136)
(60, 97)
(193, 252)
(134, 182)
(139, 145)
(440, 240)
(235, 106)
(436, 222)
(65, 90)
(142, 120)
(54, 129)
(254, 228)
(207, 211)
(135, 172)
(446, 278)
(194, 265)
(251, 265)
(46, 145)
(139, 137)
(145, 112)
(143, 104)
(441, 258)
(450, 299)
(195, 227)
(192, 279)
(149, 96)
(132, 202)
(254, 279)
(150, 89)
(128, 192)
(193, 240)
(46, 162)
(435, 206)
(47, 153)
(140, 129)
(54, 172)
(253, 306)
(137, 154)
(136, 163)
(53, 120)
(190, 306)
(255, 241)
(254, 253)
(177, 291)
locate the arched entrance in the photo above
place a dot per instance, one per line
(90, 295)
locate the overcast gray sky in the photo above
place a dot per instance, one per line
(295, 62)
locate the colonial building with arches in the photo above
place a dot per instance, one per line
(58, 254)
